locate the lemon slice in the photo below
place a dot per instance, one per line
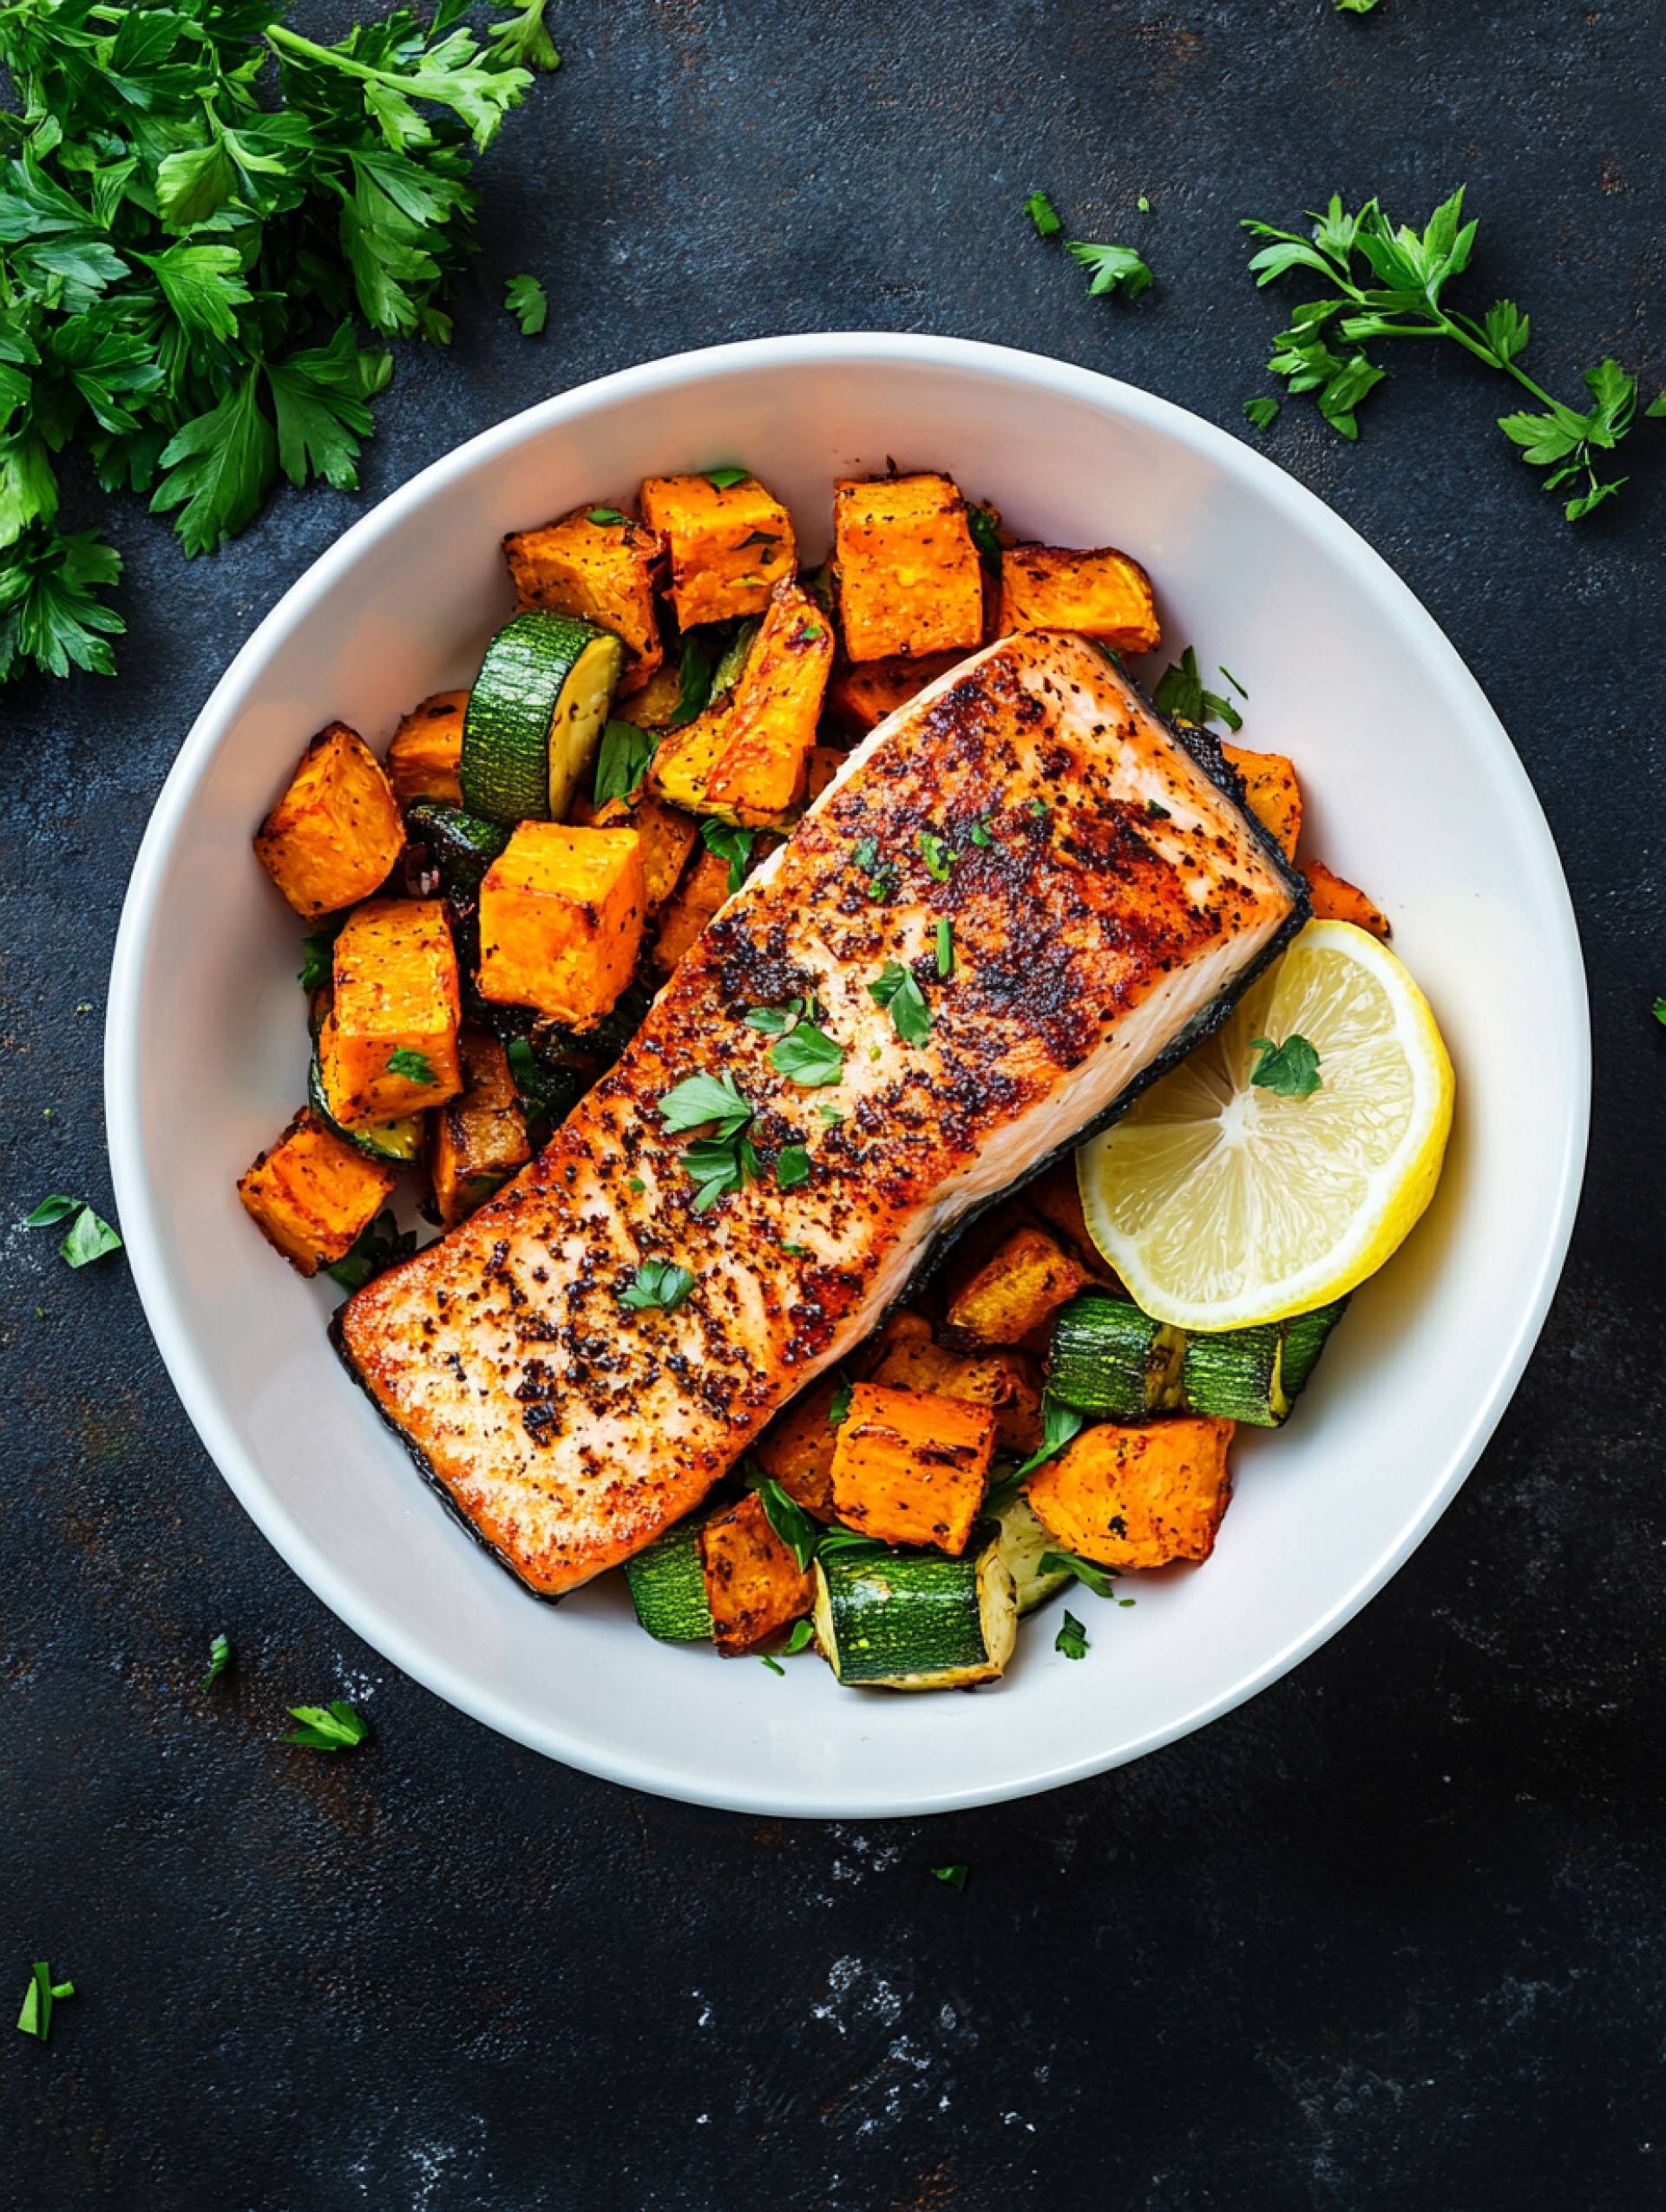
(1222, 1204)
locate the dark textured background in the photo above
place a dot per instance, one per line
(1390, 1936)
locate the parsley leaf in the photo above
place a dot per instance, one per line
(954, 1876)
(725, 479)
(839, 1404)
(808, 1055)
(1180, 695)
(699, 1098)
(1354, 7)
(1113, 268)
(1660, 1012)
(1261, 413)
(375, 1250)
(42, 1995)
(787, 1517)
(1058, 1425)
(88, 1238)
(656, 1286)
(49, 613)
(980, 834)
(944, 947)
(1072, 1638)
(732, 844)
(220, 1657)
(622, 760)
(605, 518)
(50, 1210)
(1042, 213)
(526, 299)
(1099, 1579)
(1289, 1070)
(896, 988)
(936, 854)
(791, 1167)
(413, 1066)
(334, 1727)
(981, 524)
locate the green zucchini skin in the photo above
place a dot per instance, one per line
(458, 846)
(1024, 1542)
(535, 717)
(396, 1143)
(917, 1620)
(1107, 1357)
(667, 1587)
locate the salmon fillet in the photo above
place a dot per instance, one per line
(1121, 901)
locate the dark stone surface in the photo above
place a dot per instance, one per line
(1391, 1936)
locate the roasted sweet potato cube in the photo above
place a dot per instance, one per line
(1101, 593)
(389, 1044)
(863, 693)
(703, 887)
(910, 579)
(561, 912)
(603, 571)
(911, 1467)
(336, 832)
(478, 1139)
(753, 1582)
(1055, 1197)
(1275, 795)
(729, 548)
(1334, 899)
(653, 707)
(312, 1194)
(1015, 1290)
(798, 1448)
(906, 1355)
(428, 745)
(745, 759)
(1137, 1497)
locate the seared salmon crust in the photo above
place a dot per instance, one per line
(1106, 895)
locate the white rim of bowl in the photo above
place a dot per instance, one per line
(1002, 365)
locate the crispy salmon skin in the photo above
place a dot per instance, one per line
(1102, 896)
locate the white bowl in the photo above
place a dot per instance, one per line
(1412, 791)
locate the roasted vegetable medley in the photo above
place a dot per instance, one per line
(491, 907)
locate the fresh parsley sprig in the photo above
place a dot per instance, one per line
(1111, 268)
(1289, 1070)
(725, 1159)
(88, 1236)
(1398, 293)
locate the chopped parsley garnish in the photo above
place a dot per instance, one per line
(1042, 213)
(695, 672)
(1099, 1579)
(699, 1098)
(1181, 696)
(788, 1519)
(1111, 268)
(936, 854)
(773, 1020)
(1143, 205)
(807, 634)
(720, 1165)
(334, 1727)
(317, 960)
(220, 1657)
(656, 1286)
(760, 537)
(839, 1404)
(414, 1066)
(797, 1637)
(896, 988)
(808, 1055)
(725, 479)
(622, 760)
(1660, 1011)
(1058, 1424)
(1261, 413)
(89, 1238)
(39, 1998)
(606, 515)
(1157, 811)
(1039, 808)
(864, 855)
(981, 524)
(1072, 1638)
(979, 834)
(945, 945)
(527, 300)
(954, 1876)
(375, 1251)
(797, 1251)
(831, 1114)
(791, 1167)
(1289, 1070)
(636, 1183)
(732, 844)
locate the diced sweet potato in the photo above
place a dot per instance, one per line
(389, 1045)
(798, 1448)
(337, 832)
(478, 1139)
(428, 745)
(911, 1467)
(1137, 1497)
(905, 1356)
(753, 1583)
(1334, 899)
(653, 707)
(729, 548)
(1275, 795)
(909, 580)
(561, 914)
(1015, 1290)
(603, 571)
(745, 759)
(1101, 593)
(312, 1194)
(703, 887)
(863, 693)
(668, 837)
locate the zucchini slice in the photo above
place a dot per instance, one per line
(1107, 1357)
(535, 717)
(917, 1620)
(668, 1586)
(396, 1143)
(1024, 1542)
(460, 847)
